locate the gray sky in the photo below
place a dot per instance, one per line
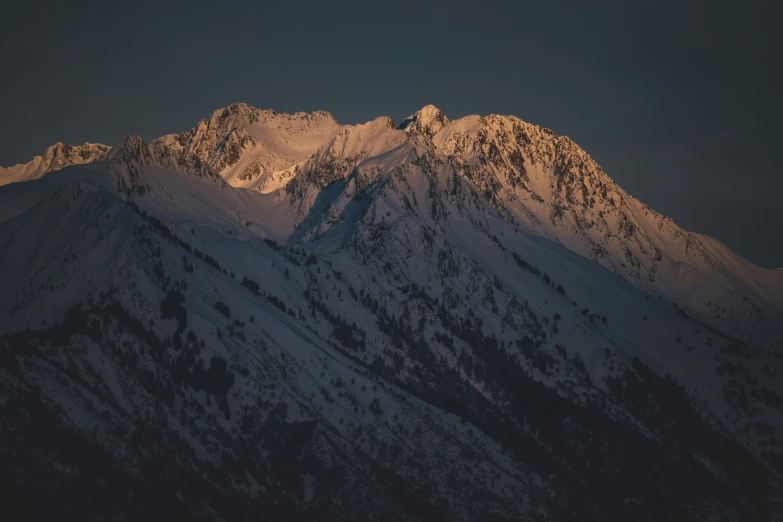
(679, 101)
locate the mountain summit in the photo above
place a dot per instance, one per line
(428, 120)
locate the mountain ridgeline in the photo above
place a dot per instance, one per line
(280, 316)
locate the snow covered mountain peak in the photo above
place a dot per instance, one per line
(61, 155)
(235, 116)
(56, 157)
(428, 121)
(129, 144)
(132, 157)
(239, 115)
(254, 148)
(131, 153)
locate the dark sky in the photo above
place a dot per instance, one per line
(680, 102)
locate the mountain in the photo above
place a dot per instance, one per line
(56, 157)
(252, 148)
(446, 319)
